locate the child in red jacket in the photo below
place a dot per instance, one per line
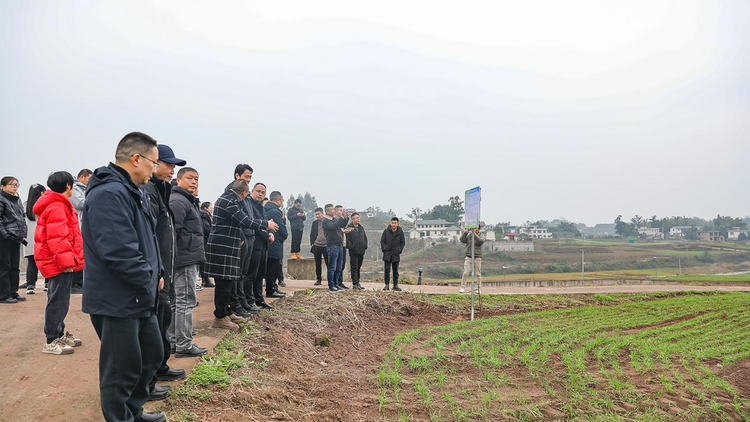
(58, 251)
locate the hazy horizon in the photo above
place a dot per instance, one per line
(578, 111)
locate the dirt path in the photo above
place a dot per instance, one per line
(39, 387)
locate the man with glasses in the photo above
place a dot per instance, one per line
(259, 255)
(242, 300)
(123, 277)
(159, 191)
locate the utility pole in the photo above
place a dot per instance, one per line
(679, 262)
(583, 264)
(656, 268)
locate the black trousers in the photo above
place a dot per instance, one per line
(387, 267)
(274, 270)
(32, 272)
(130, 354)
(319, 252)
(296, 241)
(249, 270)
(164, 320)
(343, 264)
(58, 303)
(355, 266)
(242, 296)
(258, 262)
(222, 297)
(10, 268)
(78, 278)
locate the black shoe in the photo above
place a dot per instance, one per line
(76, 290)
(275, 294)
(171, 375)
(396, 288)
(23, 286)
(358, 287)
(160, 392)
(243, 314)
(208, 283)
(9, 300)
(152, 417)
(265, 305)
(252, 309)
(342, 286)
(19, 298)
(282, 284)
(386, 287)
(317, 283)
(334, 289)
(192, 352)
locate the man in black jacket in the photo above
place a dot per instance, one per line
(259, 255)
(274, 263)
(356, 242)
(123, 277)
(318, 245)
(242, 298)
(334, 239)
(206, 222)
(297, 221)
(392, 243)
(189, 253)
(159, 190)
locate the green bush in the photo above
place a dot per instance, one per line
(559, 268)
(445, 271)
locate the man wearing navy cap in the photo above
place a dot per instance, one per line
(159, 190)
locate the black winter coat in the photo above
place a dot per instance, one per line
(356, 240)
(159, 193)
(261, 234)
(224, 249)
(296, 222)
(206, 222)
(276, 249)
(120, 248)
(12, 218)
(332, 229)
(246, 205)
(189, 249)
(314, 231)
(392, 244)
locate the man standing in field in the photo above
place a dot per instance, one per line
(392, 243)
(478, 242)
(297, 221)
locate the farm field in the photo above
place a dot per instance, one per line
(368, 356)
(711, 278)
(654, 360)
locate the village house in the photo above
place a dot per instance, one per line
(710, 236)
(735, 232)
(650, 233)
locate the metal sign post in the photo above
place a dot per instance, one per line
(471, 219)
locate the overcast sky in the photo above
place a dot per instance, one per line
(579, 109)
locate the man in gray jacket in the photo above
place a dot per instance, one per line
(78, 200)
(478, 242)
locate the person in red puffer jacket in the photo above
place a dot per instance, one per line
(58, 251)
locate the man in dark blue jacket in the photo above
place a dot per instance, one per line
(259, 255)
(274, 264)
(123, 278)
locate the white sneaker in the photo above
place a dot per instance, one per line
(57, 347)
(461, 290)
(30, 291)
(71, 341)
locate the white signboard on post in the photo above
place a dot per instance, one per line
(471, 207)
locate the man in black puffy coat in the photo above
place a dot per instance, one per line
(123, 277)
(392, 243)
(190, 253)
